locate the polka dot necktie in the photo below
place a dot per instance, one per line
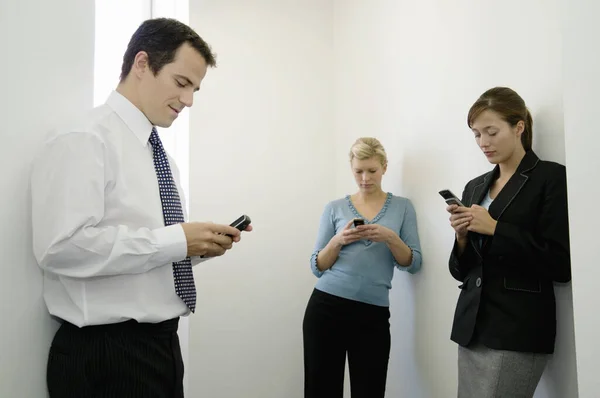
(173, 214)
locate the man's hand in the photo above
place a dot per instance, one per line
(208, 239)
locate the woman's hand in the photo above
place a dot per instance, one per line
(474, 218)
(348, 235)
(481, 221)
(460, 218)
(376, 233)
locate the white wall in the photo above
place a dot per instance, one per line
(407, 72)
(46, 70)
(261, 144)
(581, 88)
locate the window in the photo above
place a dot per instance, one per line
(176, 139)
(116, 21)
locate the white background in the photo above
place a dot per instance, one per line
(581, 87)
(43, 81)
(261, 143)
(296, 84)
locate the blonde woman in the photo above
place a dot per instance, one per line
(348, 311)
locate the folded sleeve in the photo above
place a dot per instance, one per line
(324, 235)
(410, 236)
(69, 239)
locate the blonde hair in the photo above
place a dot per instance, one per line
(366, 148)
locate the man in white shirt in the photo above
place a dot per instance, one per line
(109, 230)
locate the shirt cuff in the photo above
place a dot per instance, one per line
(198, 259)
(415, 264)
(313, 265)
(171, 244)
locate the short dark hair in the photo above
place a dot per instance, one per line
(160, 38)
(510, 106)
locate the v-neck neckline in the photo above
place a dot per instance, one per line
(379, 214)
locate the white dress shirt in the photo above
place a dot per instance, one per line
(98, 227)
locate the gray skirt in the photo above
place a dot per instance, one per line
(488, 373)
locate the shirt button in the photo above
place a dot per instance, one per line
(478, 282)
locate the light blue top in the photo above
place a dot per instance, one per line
(363, 270)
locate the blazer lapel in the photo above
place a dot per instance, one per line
(512, 188)
(480, 190)
(477, 195)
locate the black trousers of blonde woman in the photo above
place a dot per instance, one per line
(335, 327)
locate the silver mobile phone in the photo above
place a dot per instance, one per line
(450, 198)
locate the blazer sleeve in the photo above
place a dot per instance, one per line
(546, 248)
(459, 265)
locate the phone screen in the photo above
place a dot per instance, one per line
(450, 198)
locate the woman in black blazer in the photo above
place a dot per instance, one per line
(512, 243)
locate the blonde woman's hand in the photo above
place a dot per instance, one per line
(349, 235)
(376, 233)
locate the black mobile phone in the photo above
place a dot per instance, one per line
(241, 223)
(358, 221)
(450, 198)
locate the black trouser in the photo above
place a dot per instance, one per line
(124, 360)
(334, 326)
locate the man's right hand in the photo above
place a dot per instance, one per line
(208, 239)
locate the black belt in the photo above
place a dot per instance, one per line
(166, 327)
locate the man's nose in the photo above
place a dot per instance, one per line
(187, 98)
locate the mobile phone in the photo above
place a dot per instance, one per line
(358, 221)
(241, 223)
(450, 198)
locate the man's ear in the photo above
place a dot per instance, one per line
(140, 64)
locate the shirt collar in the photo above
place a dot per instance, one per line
(135, 119)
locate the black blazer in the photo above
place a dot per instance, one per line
(507, 294)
